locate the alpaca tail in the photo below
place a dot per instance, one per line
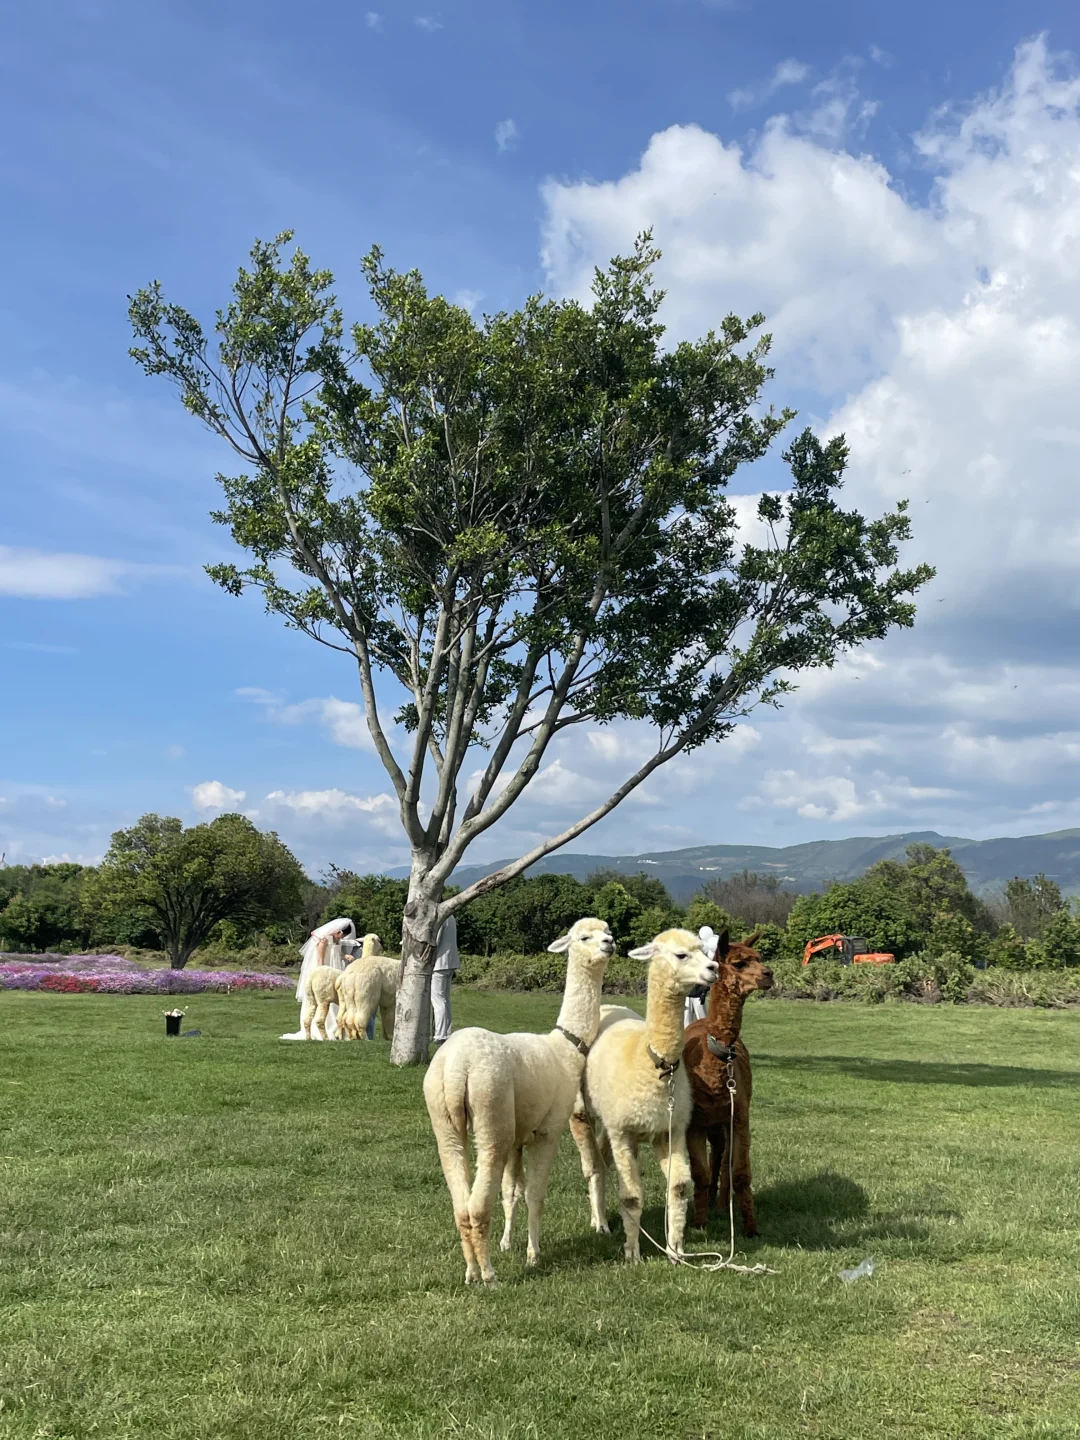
(446, 1092)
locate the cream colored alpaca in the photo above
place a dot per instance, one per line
(367, 984)
(517, 1091)
(320, 992)
(632, 1072)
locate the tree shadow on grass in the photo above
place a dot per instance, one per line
(921, 1072)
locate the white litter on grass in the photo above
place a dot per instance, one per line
(865, 1268)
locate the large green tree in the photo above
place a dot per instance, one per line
(41, 906)
(522, 523)
(185, 882)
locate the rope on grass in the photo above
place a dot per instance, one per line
(696, 1261)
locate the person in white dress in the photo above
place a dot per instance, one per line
(324, 947)
(447, 960)
(696, 1005)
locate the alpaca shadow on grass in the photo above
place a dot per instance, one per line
(921, 1072)
(824, 1211)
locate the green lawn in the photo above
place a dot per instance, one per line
(232, 1237)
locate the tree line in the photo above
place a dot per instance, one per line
(224, 883)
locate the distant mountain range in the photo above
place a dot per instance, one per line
(987, 863)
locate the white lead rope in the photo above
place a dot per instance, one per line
(717, 1261)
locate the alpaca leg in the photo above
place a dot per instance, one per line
(718, 1141)
(307, 1014)
(697, 1146)
(741, 1166)
(541, 1158)
(676, 1167)
(592, 1167)
(490, 1164)
(513, 1190)
(454, 1159)
(364, 1012)
(318, 1025)
(332, 1031)
(631, 1195)
(386, 1014)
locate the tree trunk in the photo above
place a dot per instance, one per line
(419, 931)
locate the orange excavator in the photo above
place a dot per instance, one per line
(845, 950)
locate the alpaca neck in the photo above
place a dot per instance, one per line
(664, 1016)
(724, 1019)
(580, 1012)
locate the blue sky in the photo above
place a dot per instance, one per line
(896, 186)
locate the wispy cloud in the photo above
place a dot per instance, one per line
(373, 20)
(788, 72)
(427, 23)
(468, 299)
(43, 575)
(506, 136)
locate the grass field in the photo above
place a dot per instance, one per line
(231, 1237)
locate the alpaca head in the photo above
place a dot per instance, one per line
(371, 945)
(741, 967)
(677, 961)
(590, 943)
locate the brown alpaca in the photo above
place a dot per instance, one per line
(708, 1043)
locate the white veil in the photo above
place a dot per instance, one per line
(311, 946)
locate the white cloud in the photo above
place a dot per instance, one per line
(943, 338)
(43, 575)
(344, 720)
(506, 136)
(381, 812)
(175, 752)
(788, 72)
(373, 20)
(468, 299)
(427, 23)
(54, 802)
(213, 795)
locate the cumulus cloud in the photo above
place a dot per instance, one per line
(373, 20)
(943, 338)
(427, 23)
(344, 720)
(213, 795)
(506, 136)
(339, 807)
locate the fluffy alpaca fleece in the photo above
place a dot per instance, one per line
(517, 1092)
(741, 972)
(320, 992)
(367, 984)
(627, 1089)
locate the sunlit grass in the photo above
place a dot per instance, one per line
(233, 1237)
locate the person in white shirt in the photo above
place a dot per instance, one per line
(447, 960)
(697, 1001)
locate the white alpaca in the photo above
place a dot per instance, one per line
(320, 992)
(367, 984)
(632, 1074)
(517, 1091)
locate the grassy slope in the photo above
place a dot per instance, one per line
(230, 1237)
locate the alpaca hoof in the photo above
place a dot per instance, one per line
(532, 1259)
(491, 1282)
(603, 1228)
(504, 1243)
(632, 1257)
(751, 1232)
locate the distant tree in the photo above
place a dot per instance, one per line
(375, 903)
(522, 521)
(702, 911)
(1031, 903)
(756, 899)
(41, 906)
(647, 890)
(854, 907)
(185, 882)
(1058, 944)
(524, 915)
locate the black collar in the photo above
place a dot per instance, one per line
(667, 1068)
(575, 1040)
(720, 1050)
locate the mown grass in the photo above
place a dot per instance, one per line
(232, 1237)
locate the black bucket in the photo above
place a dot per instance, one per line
(172, 1024)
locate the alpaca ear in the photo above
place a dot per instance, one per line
(751, 940)
(723, 944)
(643, 952)
(558, 946)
